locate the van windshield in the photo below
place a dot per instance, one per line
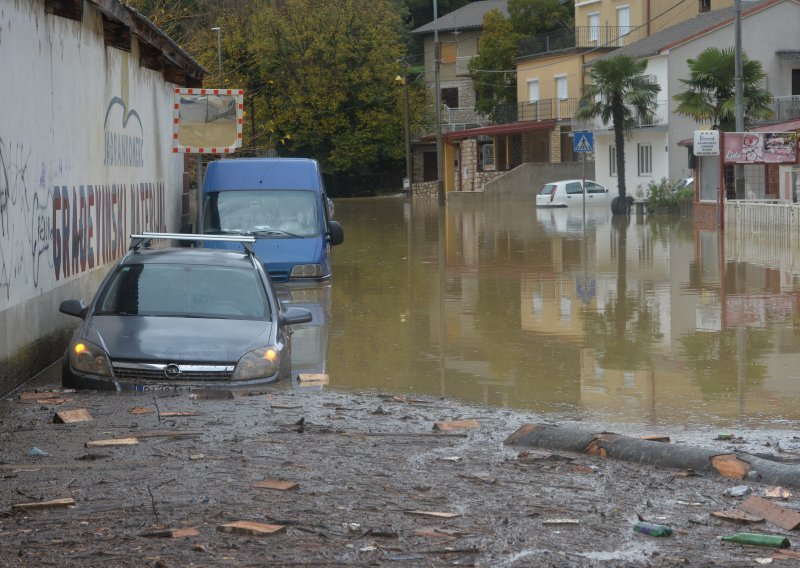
(274, 213)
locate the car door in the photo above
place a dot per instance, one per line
(595, 191)
(574, 192)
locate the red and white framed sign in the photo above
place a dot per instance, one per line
(207, 121)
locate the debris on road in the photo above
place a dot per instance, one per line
(250, 528)
(456, 425)
(70, 416)
(775, 514)
(64, 502)
(277, 484)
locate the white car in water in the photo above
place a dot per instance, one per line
(569, 193)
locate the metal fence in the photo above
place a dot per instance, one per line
(763, 221)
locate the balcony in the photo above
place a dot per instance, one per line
(659, 118)
(785, 108)
(543, 109)
(609, 37)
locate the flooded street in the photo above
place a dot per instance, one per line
(629, 321)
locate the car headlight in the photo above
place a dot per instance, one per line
(86, 357)
(257, 364)
(306, 271)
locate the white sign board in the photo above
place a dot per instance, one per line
(706, 142)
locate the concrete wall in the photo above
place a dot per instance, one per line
(85, 160)
(525, 181)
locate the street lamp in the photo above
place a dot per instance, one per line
(219, 55)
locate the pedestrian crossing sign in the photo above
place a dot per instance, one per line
(583, 141)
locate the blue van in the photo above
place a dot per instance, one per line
(282, 203)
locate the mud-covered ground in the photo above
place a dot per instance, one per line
(363, 464)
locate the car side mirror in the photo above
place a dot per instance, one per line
(337, 233)
(296, 316)
(73, 308)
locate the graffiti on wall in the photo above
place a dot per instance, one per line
(24, 221)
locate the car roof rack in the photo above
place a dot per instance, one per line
(137, 241)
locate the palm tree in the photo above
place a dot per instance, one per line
(711, 92)
(618, 92)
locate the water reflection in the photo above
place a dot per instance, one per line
(634, 319)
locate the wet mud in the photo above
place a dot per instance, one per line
(362, 479)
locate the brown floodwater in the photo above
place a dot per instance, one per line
(633, 320)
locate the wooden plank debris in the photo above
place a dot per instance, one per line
(112, 442)
(140, 410)
(781, 516)
(184, 532)
(435, 533)
(313, 379)
(278, 484)
(285, 406)
(28, 396)
(778, 493)
(738, 516)
(71, 416)
(456, 425)
(656, 438)
(65, 502)
(173, 413)
(437, 514)
(54, 400)
(250, 528)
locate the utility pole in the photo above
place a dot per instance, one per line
(438, 101)
(738, 169)
(407, 129)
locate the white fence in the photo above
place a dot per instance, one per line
(764, 220)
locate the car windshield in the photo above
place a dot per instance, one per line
(547, 189)
(178, 290)
(262, 212)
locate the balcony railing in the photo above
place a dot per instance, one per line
(659, 117)
(582, 36)
(785, 108)
(543, 109)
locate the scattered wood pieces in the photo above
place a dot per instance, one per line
(65, 502)
(433, 533)
(738, 516)
(786, 554)
(173, 533)
(112, 442)
(583, 469)
(71, 416)
(437, 514)
(778, 493)
(277, 484)
(781, 516)
(54, 400)
(174, 413)
(211, 394)
(285, 406)
(656, 438)
(308, 379)
(250, 528)
(38, 396)
(684, 473)
(406, 400)
(140, 410)
(456, 425)
(730, 466)
(561, 522)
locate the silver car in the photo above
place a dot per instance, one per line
(179, 318)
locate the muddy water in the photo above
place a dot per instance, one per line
(645, 321)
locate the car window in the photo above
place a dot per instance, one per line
(574, 187)
(547, 189)
(178, 290)
(592, 187)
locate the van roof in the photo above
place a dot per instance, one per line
(262, 173)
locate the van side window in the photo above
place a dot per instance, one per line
(574, 187)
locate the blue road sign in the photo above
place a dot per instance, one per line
(585, 287)
(583, 141)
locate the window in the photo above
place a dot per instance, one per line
(612, 160)
(592, 187)
(533, 90)
(594, 26)
(705, 5)
(623, 24)
(450, 97)
(574, 188)
(486, 156)
(561, 86)
(448, 51)
(645, 159)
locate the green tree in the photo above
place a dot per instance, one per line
(618, 91)
(531, 17)
(333, 68)
(492, 69)
(710, 94)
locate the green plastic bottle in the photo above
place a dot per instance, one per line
(652, 529)
(754, 539)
